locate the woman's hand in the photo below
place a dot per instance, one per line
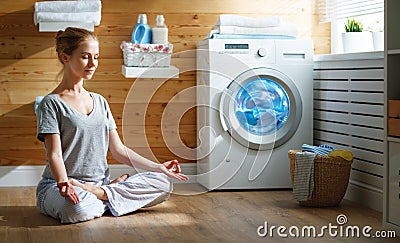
(172, 169)
(68, 191)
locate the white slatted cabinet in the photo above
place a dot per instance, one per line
(349, 114)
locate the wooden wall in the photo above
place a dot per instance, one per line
(28, 68)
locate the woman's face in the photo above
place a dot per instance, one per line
(84, 60)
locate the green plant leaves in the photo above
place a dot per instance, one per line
(353, 26)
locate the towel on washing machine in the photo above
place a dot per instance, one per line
(243, 21)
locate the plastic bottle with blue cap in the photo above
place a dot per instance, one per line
(141, 33)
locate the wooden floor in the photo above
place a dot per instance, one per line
(221, 216)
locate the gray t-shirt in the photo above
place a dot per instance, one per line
(84, 138)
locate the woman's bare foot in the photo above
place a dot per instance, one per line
(96, 190)
(88, 186)
(120, 179)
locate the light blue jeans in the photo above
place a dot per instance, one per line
(138, 191)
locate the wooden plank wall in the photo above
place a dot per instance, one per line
(28, 67)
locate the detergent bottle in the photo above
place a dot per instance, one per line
(160, 31)
(141, 33)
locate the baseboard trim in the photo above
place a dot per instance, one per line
(365, 195)
(25, 175)
(30, 175)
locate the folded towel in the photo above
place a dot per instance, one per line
(284, 29)
(86, 17)
(242, 21)
(68, 6)
(303, 176)
(323, 149)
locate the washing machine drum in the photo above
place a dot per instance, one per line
(261, 108)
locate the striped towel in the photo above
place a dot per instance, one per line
(323, 149)
(303, 181)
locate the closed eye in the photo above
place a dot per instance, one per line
(87, 56)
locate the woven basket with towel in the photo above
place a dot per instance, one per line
(330, 177)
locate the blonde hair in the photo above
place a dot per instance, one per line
(69, 39)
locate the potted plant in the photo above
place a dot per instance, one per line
(354, 39)
(378, 36)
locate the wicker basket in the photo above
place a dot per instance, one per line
(146, 55)
(331, 177)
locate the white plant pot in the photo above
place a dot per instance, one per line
(357, 42)
(378, 39)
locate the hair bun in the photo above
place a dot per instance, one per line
(69, 39)
(60, 32)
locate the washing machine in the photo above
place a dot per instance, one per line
(254, 103)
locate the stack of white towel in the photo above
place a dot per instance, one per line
(229, 25)
(86, 11)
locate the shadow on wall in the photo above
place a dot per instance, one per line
(20, 39)
(18, 137)
(21, 47)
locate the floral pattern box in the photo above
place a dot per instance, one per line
(146, 55)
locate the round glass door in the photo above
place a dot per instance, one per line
(261, 108)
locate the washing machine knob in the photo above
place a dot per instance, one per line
(262, 52)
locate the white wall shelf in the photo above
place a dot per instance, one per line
(394, 52)
(357, 56)
(56, 26)
(393, 139)
(150, 72)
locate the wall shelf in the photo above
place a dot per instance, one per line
(394, 52)
(150, 72)
(393, 139)
(56, 26)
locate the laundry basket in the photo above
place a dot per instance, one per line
(331, 178)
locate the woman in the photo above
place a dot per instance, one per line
(78, 129)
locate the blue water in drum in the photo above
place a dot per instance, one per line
(262, 106)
